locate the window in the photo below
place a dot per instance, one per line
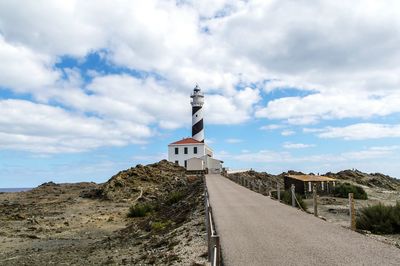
(185, 150)
(309, 187)
(177, 162)
(185, 163)
(322, 185)
(176, 150)
(195, 150)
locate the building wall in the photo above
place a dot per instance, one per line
(195, 164)
(208, 151)
(213, 165)
(181, 157)
(299, 185)
(303, 187)
(323, 188)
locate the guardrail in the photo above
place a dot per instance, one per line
(214, 247)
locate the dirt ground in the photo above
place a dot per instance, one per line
(336, 210)
(54, 225)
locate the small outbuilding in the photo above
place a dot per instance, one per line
(214, 166)
(304, 184)
(195, 164)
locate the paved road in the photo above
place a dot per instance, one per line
(256, 230)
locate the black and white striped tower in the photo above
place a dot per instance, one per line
(197, 114)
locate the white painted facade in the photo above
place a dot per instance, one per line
(214, 166)
(180, 153)
(195, 164)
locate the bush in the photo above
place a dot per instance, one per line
(380, 219)
(174, 197)
(342, 191)
(286, 197)
(140, 210)
(160, 225)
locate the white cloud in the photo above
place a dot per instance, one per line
(23, 69)
(233, 140)
(272, 127)
(53, 27)
(41, 128)
(288, 145)
(361, 131)
(371, 153)
(231, 110)
(269, 156)
(310, 109)
(287, 133)
(348, 57)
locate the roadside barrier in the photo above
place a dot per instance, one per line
(259, 187)
(243, 181)
(213, 243)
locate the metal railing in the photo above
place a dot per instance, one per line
(214, 247)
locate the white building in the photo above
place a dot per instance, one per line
(192, 153)
(181, 151)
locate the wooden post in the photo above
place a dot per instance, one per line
(315, 202)
(278, 191)
(352, 212)
(292, 188)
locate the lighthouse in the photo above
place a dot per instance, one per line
(197, 114)
(192, 153)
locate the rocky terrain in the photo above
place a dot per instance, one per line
(373, 180)
(267, 180)
(87, 223)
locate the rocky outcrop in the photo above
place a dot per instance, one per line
(150, 180)
(370, 180)
(377, 180)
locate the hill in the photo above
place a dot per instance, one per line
(371, 180)
(88, 223)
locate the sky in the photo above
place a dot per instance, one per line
(89, 88)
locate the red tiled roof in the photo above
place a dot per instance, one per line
(187, 141)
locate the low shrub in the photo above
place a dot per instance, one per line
(342, 190)
(174, 197)
(160, 225)
(140, 210)
(380, 219)
(286, 197)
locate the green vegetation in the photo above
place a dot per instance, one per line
(380, 219)
(160, 225)
(174, 197)
(342, 191)
(286, 197)
(140, 210)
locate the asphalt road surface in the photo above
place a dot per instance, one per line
(256, 230)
